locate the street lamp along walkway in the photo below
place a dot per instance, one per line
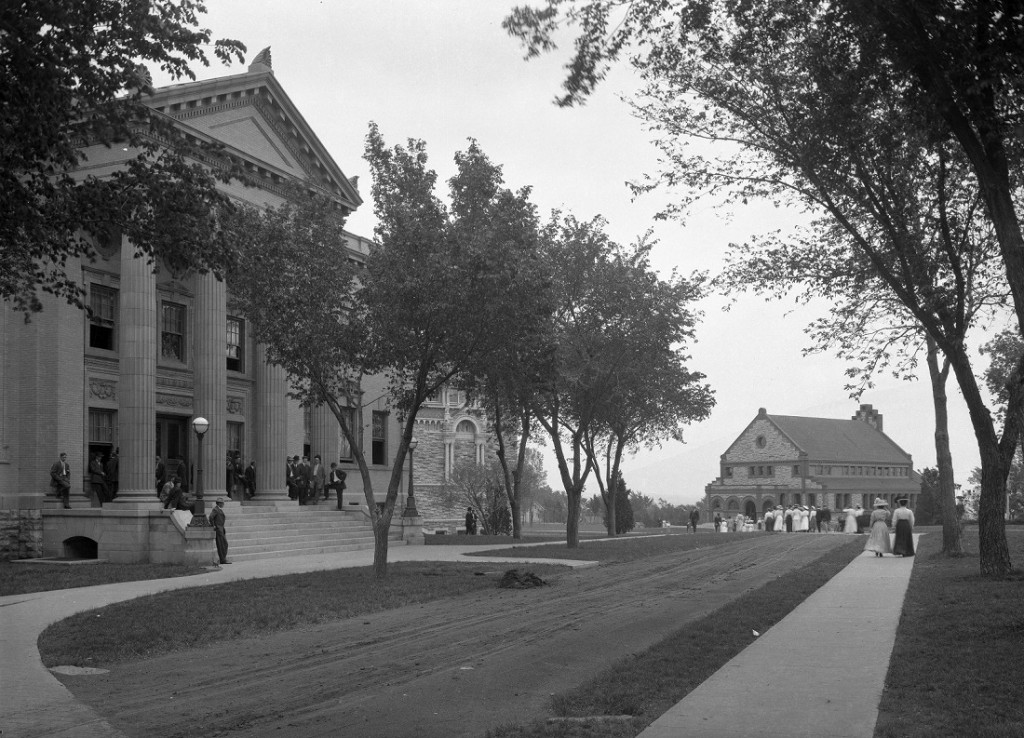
(200, 425)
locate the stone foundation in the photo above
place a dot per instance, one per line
(21, 534)
(129, 536)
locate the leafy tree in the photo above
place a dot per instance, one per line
(71, 78)
(403, 317)
(930, 502)
(815, 104)
(482, 488)
(649, 393)
(624, 521)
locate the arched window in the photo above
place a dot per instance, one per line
(734, 504)
(465, 431)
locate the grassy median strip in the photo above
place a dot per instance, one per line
(167, 622)
(629, 696)
(957, 668)
(44, 577)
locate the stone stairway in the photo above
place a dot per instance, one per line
(256, 532)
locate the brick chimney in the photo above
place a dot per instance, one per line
(869, 415)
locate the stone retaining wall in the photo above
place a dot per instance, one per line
(21, 534)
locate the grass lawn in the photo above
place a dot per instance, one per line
(25, 578)
(636, 691)
(153, 625)
(623, 548)
(957, 668)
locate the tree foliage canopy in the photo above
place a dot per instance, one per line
(71, 76)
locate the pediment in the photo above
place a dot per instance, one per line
(246, 129)
(256, 121)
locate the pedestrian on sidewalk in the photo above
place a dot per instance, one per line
(903, 520)
(694, 519)
(218, 520)
(878, 540)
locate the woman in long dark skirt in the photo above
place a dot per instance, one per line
(903, 517)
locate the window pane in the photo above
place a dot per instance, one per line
(103, 304)
(172, 334)
(235, 344)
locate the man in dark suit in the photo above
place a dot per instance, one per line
(694, 519)
(98, 479)
(111, 470)
(60, 480)
(250, 479)
(303, 478)
(337, 482)
(218, 521)
(290, 479)
(318, 477)
(161, 475)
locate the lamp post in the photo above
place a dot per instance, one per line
(410, 504)
(200, 425)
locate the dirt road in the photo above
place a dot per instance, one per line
(443, 669)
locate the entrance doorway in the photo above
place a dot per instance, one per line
(172, 444)
(750, 510)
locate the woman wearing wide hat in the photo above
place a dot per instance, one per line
(903, 519)
(878, 540)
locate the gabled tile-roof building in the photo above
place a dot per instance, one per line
(823, 462)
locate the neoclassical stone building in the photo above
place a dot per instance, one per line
(161, 349)
(786, 459)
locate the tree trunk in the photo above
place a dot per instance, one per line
(994, 555)
(952, 533)
(380, 547)
(572, 523)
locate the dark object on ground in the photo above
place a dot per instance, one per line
(520, 579)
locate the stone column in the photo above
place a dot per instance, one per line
(324, 435)
(137, 346)
(210, 317)
(271, 429)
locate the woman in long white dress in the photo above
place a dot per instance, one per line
(878, 540)
(850, 526)
(804, 520)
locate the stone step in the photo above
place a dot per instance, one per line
(256, 532)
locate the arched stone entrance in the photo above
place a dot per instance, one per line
(750, 510)
(80, 547)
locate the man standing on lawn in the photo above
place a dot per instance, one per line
(217, 520)
(694, 519)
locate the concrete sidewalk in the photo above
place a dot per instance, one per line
(34, 704)
(820, 671)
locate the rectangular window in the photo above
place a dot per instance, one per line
(172, 331)
(753, 472)
(380, 438)
(102, 427)
(727, 472)
(236, 439)
(103, 318)
(350, 418)
(236, 344)
(796, 470)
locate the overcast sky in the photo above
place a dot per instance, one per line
(444, 71)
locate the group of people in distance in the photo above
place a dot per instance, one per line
(799, 518)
